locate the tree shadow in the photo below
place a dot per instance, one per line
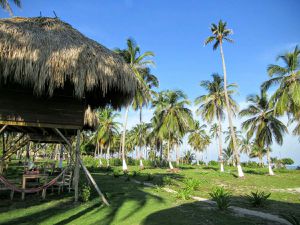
(201, 213)
(118, 192)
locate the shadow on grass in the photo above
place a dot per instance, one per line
(65, 211)
(201, 213)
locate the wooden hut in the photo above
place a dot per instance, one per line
(52, 77)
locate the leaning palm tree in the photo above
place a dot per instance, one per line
(6, 5)
(198, 139)
(212, 104)
(262, 124)
(287, 96)
(175, 119)
(220, 33)
(138, 62)
(107, 129)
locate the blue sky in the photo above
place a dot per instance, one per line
(175, 30)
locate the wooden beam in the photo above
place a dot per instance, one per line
(83, 167)
(44, 125)
(77, 163)
(3, 128)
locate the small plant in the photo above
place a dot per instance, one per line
(85, 193)
(222, 198)
(184, 193)
(167, 180)
(291, 219)
(258, 199)
(149, 177)
(192, 184)
(116, 173)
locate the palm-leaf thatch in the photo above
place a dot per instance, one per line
(47, 55)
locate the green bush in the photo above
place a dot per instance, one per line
(250, 164)
(149, 177)
(221, 197)
(117, 173)
(85, 193)
(167, 180)
(287, 161)
(90, 161)
(184, 193)
(213, 163)
(192, 184)
(257, 198)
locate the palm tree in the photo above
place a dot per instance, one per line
(107, 129)
(227, 154)
(212, 105)
(143, 97)
(228, 137)
(220, 33)
(287, 96)
(198, 139)
(262, 124)
(138, 62)
(258, 152)
(245, 146)
(6, 5)
(173, 117)
(139, 136)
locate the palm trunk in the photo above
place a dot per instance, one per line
(124, 165)
(108, 155)
(271, 173)
(177, 155)
(100, 155)
(140, 142)
(169, 158)
(220, 143)
(229, 113)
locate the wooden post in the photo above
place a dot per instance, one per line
(89, 176)
(76, 171)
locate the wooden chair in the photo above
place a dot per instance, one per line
(65, 181)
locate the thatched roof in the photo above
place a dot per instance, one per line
(48, 55)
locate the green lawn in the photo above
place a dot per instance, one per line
(136, 204)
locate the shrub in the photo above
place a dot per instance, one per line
(222, 197)
(287, 161)
(116, 173)
(257, 198)
(213, 163)
(85, 193)
(149, 177)
(167, 180)
(192, 184)
(184, 193)
(90, 161)
(250, 164)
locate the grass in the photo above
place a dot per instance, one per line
(134, 204)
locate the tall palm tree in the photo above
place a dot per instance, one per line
(139, 136)
(220, 33)
(6, 5)
(143, 97)
(262, 124)
(212, 104)
(138, 62)
(245, 146)
(287, 77)
(198, 138)
(175, 119)
(107, 129)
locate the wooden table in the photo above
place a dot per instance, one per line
(32, 176)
